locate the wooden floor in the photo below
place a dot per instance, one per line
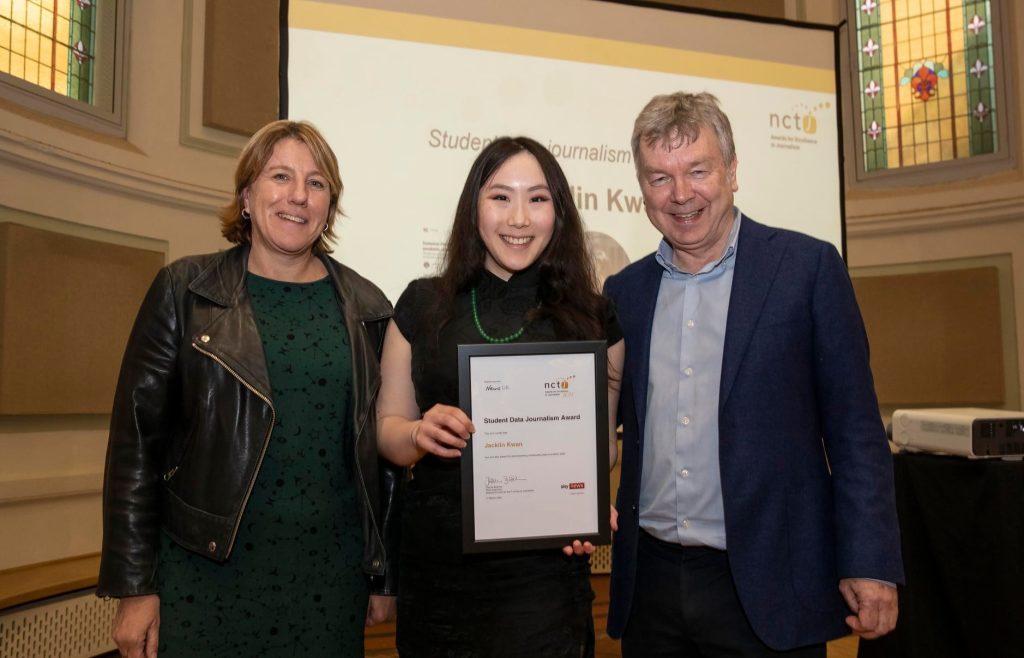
(380, 640)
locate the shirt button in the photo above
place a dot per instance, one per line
(688, 372)
(685, 524)
(685, 420)
(212, 547)
(685, 472)
(690, 323)
(204, 338)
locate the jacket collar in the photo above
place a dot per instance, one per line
(223, 280)
(223, 283)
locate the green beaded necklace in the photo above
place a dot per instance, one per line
(480, 328)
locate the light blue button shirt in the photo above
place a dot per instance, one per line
(681, 487)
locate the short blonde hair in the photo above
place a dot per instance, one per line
(238, 229)
(680, 117)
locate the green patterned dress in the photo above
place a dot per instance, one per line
(293, 585)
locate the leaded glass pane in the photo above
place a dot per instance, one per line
(927, 86)
(50, 43)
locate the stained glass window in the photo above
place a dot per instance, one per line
(927, 84)
(50, 43)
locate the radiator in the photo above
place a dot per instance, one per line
(71, 626)
(601, 560)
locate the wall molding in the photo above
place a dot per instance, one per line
(23, 490)
(191, 131)
(24, 152)
(935, 218)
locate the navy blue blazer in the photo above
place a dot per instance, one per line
(806, 470)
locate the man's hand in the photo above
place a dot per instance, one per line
(874, 605)
(137, 626)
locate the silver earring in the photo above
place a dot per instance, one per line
(246, 216)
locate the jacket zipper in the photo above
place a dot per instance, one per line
(362, 480)
(263, 452)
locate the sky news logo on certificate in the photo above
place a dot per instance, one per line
(572, 486)
(559, 387)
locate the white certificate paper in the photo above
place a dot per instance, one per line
(534, 465)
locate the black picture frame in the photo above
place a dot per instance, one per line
(598, 350)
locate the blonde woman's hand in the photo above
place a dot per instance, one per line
(137, 626)
(380, 609)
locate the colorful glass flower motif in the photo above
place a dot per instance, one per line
(84, 4)
(79, 52)
(868, 6)
(981, 112)
(874, 130)
(870, 48)
(979, 69)
(923, 79)
(976, 24)
(872, 89)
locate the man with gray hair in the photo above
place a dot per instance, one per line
(756, 513)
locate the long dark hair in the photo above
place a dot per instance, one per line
(568, 288)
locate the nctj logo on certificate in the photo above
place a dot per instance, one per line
(560, 387)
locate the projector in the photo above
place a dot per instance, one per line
(968, 432)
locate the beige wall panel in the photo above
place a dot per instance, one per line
(50, 529)
(240, 74)
(936, 338)
(50, 488)
(66, 308)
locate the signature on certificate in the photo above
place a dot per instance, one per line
(504, 479)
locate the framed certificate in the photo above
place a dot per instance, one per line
(535, 473)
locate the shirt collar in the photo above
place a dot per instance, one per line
(527, 278)
(664, 253)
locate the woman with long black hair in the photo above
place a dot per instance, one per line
(516, 268)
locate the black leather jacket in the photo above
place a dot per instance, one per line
(193, 414)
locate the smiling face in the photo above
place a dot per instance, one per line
(289, 202)
(688, 191)
(516, 215)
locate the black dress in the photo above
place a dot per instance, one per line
(535, 603)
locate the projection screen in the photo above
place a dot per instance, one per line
(409, 91)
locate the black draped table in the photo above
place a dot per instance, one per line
(962, 525)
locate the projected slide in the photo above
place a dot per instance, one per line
(407, 100)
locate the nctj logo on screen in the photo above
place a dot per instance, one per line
(796, 128)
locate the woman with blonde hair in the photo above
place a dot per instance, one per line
(246, 511)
